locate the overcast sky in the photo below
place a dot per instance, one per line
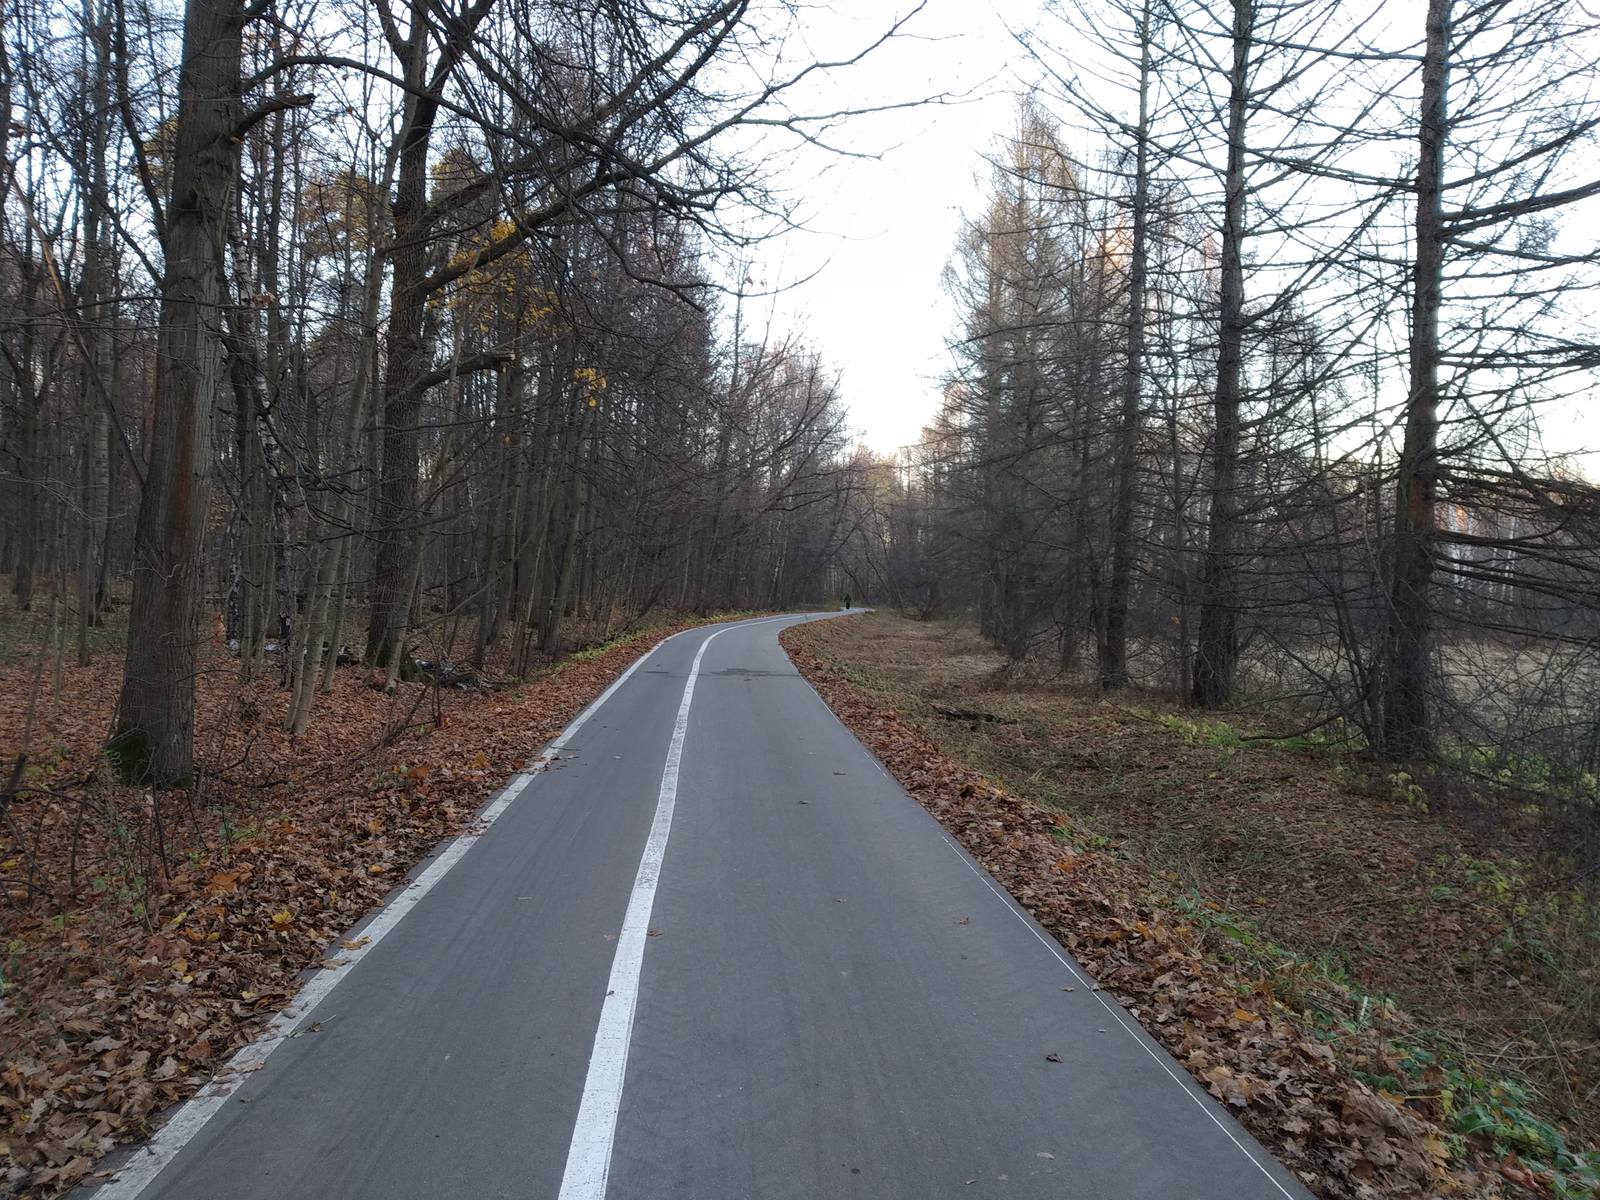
(881, 229)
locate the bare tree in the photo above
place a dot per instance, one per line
(153, 740)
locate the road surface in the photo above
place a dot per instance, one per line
(713, 951)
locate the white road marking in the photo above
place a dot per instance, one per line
(1158, 1056)
(141, 1169)
(589, 1157)
(1121, 1018)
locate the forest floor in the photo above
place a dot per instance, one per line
(1399, 996)
(148, 936)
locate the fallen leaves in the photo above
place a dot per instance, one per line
(108, 1018)
(1346, 1140)
(1225, 1085)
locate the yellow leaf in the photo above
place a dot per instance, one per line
(282, 917)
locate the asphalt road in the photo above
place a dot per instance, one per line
(713, 951)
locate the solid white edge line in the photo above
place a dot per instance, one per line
(141, 1169)
(1157, 1055)
(1136, 1033)
(589, 1156)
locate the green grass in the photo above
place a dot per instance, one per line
(1321, 873)
(1475, 1102)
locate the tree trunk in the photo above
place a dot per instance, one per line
(1114, 648)
(1407, 730)
(95, 462)
(1217, 648)
(360, 389)
(28, 491)
(153, 741)
(405, 358)
(252, 407)
(577, 498)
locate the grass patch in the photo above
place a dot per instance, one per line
(1332, 881)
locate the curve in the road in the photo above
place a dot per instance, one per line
(715, 952)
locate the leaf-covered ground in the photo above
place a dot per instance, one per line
(148, 936)
(1354, 976)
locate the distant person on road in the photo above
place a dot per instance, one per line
(847, 601)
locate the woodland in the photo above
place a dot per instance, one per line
(324, 324)
(362, 364)
(1275, 333)
(1277, 399)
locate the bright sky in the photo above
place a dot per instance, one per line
(882, 229)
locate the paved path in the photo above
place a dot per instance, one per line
(714, 951)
